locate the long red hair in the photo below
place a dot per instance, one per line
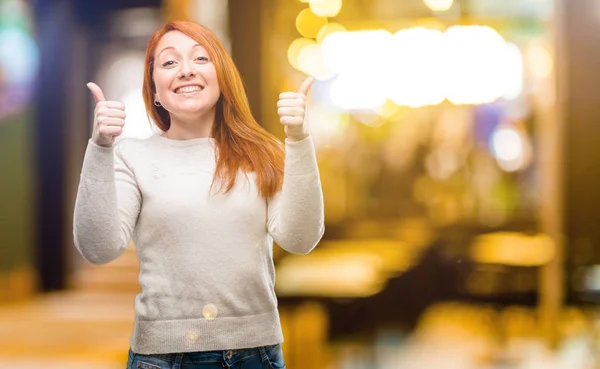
(242, 143)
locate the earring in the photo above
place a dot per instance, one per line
(156, 103)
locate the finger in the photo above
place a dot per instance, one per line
(291, 112)
(289, 95)
(115, 105)
(292, 121)
(96, 91)
(110, 130)
(111, 121)
(111, 113)
(305, 86)
(285, 103)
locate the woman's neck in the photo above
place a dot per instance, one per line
(186, 129)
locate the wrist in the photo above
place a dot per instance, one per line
(103, 143)
(296, 138)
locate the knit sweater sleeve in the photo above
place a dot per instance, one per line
(296, 213)
(107, 205)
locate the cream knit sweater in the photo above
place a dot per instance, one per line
(206, 261)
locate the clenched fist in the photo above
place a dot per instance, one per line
(292, 110)
(109, 118)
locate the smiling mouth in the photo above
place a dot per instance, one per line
(188, 89)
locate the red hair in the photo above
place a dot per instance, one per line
(242, 143)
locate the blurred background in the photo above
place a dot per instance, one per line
(458, 149)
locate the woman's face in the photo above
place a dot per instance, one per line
(184, 76)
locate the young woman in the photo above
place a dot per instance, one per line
(204, 202)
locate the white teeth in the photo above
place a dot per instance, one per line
(188, 89)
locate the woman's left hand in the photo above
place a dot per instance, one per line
(292, 110)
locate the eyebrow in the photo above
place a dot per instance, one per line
(171, 47)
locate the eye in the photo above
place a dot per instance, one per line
(168, 63)
(202, 59)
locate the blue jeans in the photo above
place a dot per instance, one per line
(267, 357)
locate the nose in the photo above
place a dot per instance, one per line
(186, 71)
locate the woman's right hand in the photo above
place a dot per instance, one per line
(109, 118)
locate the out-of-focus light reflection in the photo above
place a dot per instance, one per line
(515, 74)
(308, 23)
(340, 51)
(417, 67)
(19, 57)
(360, 83)
(310, 61)
(474, 64)
(329, 29)
(326, 8)
(539, 60)
(294, 49)
(345, 268)
(368, 117)
(510, 147)
(387, 110)
(511, 248)
(121, 80)
(356, 94)
(507, 144)
(415, 70)
(326, 124)
(191, 337)
(138, 123)
(342, 275)
(439, 5)
(210, 311)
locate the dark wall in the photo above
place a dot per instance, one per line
(245, 20)
(579, 57)
(63, 29)
(16, 191)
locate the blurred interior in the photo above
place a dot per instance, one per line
(457, 145)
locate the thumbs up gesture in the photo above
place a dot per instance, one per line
(109, 118)
(292, 110)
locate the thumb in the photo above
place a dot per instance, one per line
(305, 86)
(96, 91)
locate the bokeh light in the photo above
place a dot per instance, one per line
(329, 29)
(466, 65)
(474, 59)
(439, 5)
(295, 48)
(415, 69)
(19, 57)
(308, 24)
(326, 8)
